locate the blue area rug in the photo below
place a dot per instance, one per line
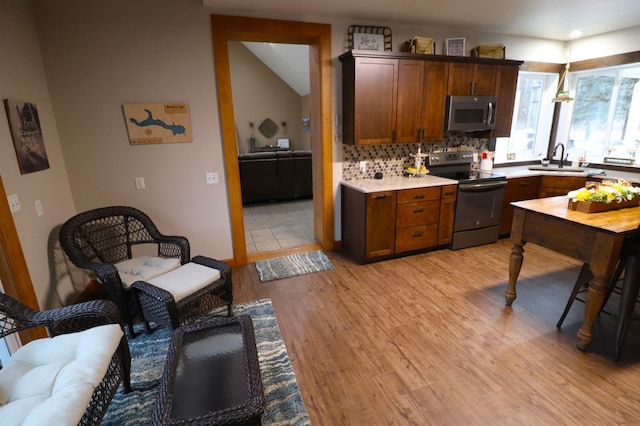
(284, 404)
(292, 265)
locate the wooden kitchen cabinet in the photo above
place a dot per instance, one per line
(401, 97)
(388, 100)
(517, 189)
(384, 224)
(506, 87)
(370, 94)
(368, 223)
(447, 214)
(408, 113)
(417, 215)
(551, 186)
(434, 95)
(469, 79)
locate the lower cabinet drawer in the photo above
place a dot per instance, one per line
(414, 214)
(416, 237)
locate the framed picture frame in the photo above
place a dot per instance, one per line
(157, 123)
(365, 37)
(454, 47)
(26, 131)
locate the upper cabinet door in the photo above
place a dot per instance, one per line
(484, 80)
(434, 95)
(410, 93)
(375, 100)
(506, 87)
(467, 79)
(460, 79)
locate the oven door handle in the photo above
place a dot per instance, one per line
(482, 187)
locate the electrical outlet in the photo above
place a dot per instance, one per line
(363, 167)
(39, 208)
(211, 177)
(140, 183)
(14, 203)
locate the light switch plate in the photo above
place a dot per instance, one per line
(39, 208)
(140, 183)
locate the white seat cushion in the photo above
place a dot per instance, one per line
(143, 268)
(50, 381)
(186, 280)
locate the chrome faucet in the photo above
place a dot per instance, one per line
(561, 154)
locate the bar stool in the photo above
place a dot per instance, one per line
(629, 297)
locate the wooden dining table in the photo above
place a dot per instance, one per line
(593, 238)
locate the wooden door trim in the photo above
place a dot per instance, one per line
(318, 37)
(14, 273)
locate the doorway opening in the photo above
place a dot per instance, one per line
(271, 90)
(318, 38)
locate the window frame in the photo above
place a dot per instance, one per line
(544, 125)
(566, 112)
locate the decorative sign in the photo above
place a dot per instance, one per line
(157, 123)
(28, 142)
(366, 37)
(364, 41)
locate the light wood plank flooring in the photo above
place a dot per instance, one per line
(428, 340)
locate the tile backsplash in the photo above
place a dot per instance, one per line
(393, 159)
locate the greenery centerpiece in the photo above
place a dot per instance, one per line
(607, 195)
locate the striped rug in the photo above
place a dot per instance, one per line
(292, 265)
(284, 404)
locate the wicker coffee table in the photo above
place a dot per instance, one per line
(211, 376)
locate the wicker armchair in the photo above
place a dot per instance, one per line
(103, 239)
(76, 322)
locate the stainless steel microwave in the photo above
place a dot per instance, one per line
(471, 113)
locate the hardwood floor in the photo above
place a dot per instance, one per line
(427, 339)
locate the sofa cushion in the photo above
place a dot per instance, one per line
(143, 268)
(186, 280)
(51, 380)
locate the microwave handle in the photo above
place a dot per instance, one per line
(490, 117)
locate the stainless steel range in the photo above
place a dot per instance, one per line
(479, 201)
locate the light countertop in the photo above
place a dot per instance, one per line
(394, 183)
(523, 171)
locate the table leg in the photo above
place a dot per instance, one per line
(515, 264)
(606, 251)
(595, 298)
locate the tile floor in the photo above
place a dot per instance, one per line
(276, 226)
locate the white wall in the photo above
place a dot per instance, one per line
(258, 94)
(22, 77)
(98, 56)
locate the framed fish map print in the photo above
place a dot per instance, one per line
(157, 123)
